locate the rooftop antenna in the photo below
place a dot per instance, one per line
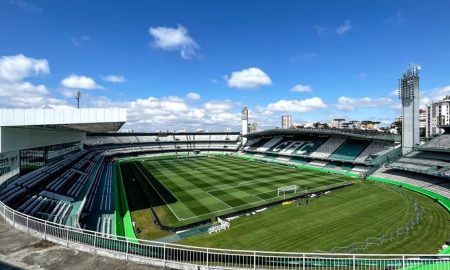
(77, 97)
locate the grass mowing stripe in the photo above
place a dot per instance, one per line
(339, 219)
(210, 186)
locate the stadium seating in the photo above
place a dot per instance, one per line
(326, 149)
(431, 163)
(440, 143)
(374, 149)
(308, 146)
(436, 184)
(350, 150)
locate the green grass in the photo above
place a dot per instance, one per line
(343, 217)
(149, 230)
(184, 191)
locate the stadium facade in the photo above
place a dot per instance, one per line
(32, 138)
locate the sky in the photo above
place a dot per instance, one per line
(194, 64)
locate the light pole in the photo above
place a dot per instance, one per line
(77, 97)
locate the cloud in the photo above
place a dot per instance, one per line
(305, 105)
(79, 41)
(174, 39)
(15, 92)
(171, 113)
(397, 19)
(394, 93)
(79, 82)
(18, 67)
(218, 106)
(349, 104)
(435, 94)
(301, 88)
(320, 30)
(248, 78)
(26, 5)
(193, 96)
(344, 27)
(114, 78)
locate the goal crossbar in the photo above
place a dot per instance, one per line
(283, 190)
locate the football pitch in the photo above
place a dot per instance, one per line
(187, 190)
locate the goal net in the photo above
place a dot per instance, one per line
(286, 190)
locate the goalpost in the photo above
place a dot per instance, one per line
(286, 189)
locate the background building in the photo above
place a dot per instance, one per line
(253, 127)
(286, 121)
(337, 123)
(437, 114)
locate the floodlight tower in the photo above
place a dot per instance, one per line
(77, 97)
(244, 124)
(408, 92)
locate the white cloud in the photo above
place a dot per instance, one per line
(114, 78)
(397, 19)
(320, 30)
(80, 82)
(15, 92)
(349, 104)
(248, 78)
(218, 106)
(170, 113)
(305, 105)
(79, 41)
(193, 96)
(174, 39)
(435, 94)
(394, 93)
(344, 27)
(26, 5)
(301, 88)
(18, 67)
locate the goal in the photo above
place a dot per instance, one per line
(282, 191)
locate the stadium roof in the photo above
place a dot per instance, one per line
(87, 120)
(162, 134)
(359, 134)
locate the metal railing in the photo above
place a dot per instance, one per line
(198, 258)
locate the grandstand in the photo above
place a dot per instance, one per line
(427, 166)
(354, 152)
(141, 143)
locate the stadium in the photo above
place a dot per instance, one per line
(224, 135)
(299, 198)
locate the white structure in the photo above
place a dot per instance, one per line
(286, 121)
(49, 133)
(253, 127)
(223, 225)
(337, 123)
(437, 114)
(244, 124)
(409, 94)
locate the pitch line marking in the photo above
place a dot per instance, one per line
(229, 206)
(158, 193)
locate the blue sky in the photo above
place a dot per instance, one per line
(192, 64)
